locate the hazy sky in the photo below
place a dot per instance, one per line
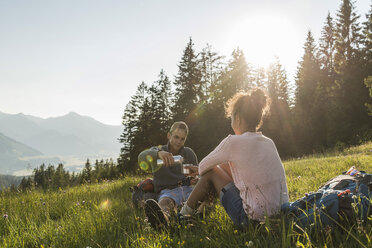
(89, 56)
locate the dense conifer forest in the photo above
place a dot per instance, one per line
(329, 107)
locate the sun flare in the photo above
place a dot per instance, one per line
(105, 205)
(262, 37)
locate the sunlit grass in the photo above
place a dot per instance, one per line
(102, 215)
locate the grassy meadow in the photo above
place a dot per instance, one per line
(102, 215)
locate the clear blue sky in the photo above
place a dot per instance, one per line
(89, 56)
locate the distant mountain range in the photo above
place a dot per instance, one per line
(26, 138)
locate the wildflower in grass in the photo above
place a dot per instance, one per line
(83, 202)
(78, 204)
(5, 216)
(235, 231)
(249, 244)
(43, 203)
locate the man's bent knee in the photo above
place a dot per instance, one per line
(167, 202)
(167, 205)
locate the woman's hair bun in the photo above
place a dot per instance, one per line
(252, 106)
(259, 98)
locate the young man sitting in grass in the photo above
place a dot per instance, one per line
(168, 179)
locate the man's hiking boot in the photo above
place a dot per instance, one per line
(187, 220)
(155, 214)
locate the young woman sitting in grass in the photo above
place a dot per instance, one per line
(245, 168)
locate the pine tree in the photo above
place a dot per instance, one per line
(350, 121)
(348, 37)
(188, 89)
(324, 95)
(86, 174)
(277, 82)
(367, 41)
(367, 51)
(211, 67)
(368, 83)
(160, 100)
(40, 177)
(24, 185)
(277, 124)
(259, 77)
(236, 77)
(58, 179)
(133, 128)
(307, 81)
(327, 47)
(206, 115)
(98, 171)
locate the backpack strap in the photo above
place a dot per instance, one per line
(339, 182)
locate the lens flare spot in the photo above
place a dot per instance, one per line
(105, 205)
(144, 166)
(149, 158)
(196, 113)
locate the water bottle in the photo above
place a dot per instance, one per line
(178, 159)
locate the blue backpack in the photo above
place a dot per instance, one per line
(343, 198)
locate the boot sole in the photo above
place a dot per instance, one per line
(154, 214)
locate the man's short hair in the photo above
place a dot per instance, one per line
(180, 125)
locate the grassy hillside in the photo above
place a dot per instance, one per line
(102, 215)
(10, 153)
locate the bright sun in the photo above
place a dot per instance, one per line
(262, 37)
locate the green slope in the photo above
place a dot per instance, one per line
(101, 215)
(12, 148)
(11, 152)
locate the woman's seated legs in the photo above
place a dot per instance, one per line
(209, 184)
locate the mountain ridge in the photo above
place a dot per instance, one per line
(68, 135)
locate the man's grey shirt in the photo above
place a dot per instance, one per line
(169, 177)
